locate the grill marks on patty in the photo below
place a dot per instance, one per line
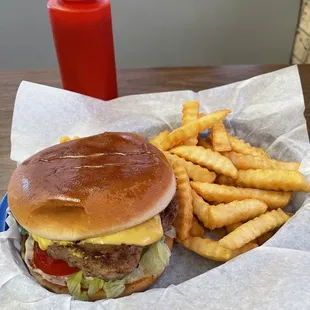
(108, 261)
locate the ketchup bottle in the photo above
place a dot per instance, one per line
(83, 37)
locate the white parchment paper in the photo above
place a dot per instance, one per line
(267, 112)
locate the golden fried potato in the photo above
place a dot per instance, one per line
(204, 143)
(190, 111)
(197, 230)
(246, 161)
(285, 180)
(184, 219)
(189, 114)
(223, 193)
(201, 114)
(239, 146)
(212, 250)
(200, 209)
(234, 212)
(254, 229)
(219, 138)
(156, 141)
(192, 129)
(232, 227)
(207, 158)
(195, 172)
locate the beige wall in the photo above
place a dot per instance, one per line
(151, 33)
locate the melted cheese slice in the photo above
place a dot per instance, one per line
(45, 243)
(143, 234)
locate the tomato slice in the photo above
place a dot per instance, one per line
(49, 265)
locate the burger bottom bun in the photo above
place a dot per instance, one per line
(130, 288)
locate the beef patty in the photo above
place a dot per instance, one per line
(108, 261)
(96, 260)
(169, 214)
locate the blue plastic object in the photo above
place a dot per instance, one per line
(3, 213)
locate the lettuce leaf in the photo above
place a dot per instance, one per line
(156, 258)
(95, 285)
(78, 281)
(153, 262)
(74, 286)
(135, 275)
(114, 288)
(86, 281)
(163, 252)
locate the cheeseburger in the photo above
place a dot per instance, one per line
(96, 214)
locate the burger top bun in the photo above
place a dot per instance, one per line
(91, 187)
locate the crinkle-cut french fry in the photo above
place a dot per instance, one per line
(246, 161)
(197, 230)
(234, 212)
(156, 141)
(253, 229)
(285, 180)
(239, 146)
(207, 158)
(189, 114)
(200, 208)
(219, 138)
(192, 129)
(66, 139)
(184, 219)
(223, 180)
(190, 111)
(204, 143)
(232, 227)
(201, 114)
(195, 172)
(224, 193)
(212, 250)
(265, 237)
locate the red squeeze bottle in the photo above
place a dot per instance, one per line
(83, 37)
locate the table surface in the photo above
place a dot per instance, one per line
(131, 82)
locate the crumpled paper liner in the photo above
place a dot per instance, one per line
(267, 112)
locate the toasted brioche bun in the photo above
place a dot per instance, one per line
(130, 288)
(91, 187)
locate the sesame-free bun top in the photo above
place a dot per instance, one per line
(91, 187)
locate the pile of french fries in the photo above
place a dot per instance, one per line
(224, 182)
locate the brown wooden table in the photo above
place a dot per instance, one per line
(130, 82)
